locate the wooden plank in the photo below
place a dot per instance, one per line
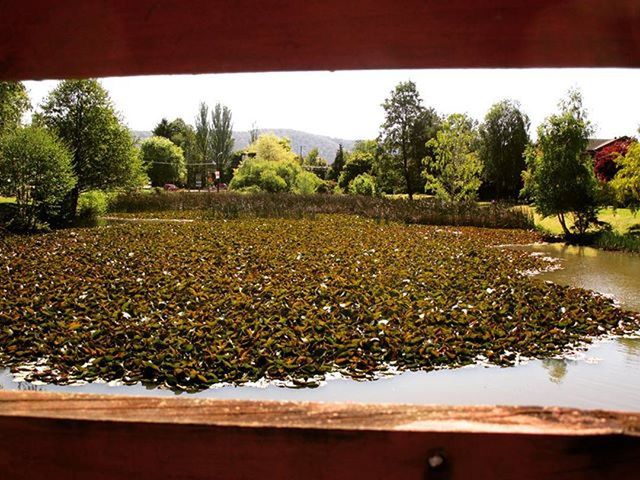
(52, 436)
(87, 38)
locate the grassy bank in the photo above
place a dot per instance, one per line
(424, 211)
(190, 305)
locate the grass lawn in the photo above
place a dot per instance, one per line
(621, 220)
(189, 305)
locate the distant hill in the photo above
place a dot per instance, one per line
(327, 146)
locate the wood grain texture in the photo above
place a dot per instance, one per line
(87, 38)
(44, 435)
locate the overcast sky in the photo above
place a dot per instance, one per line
(346, 104)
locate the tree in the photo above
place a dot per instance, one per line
(313, 159)
(163, 160)
(202, 145)
(269, 147)
(14, 102)
(81, 113)
(403, 109)
(559, 176)
(178, 131)
(503, 139)
(221, 140)
(35, 167)
(453, 172)
(605, 163)
(338, 164)
(359, 160)
(626, 183)
(163, 129)
(253, 133)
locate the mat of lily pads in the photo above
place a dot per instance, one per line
(190, 305)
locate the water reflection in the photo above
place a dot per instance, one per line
(615, 274)
(557, 368)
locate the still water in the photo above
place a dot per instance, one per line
(606, 375)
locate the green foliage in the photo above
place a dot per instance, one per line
(201, 147)
(81, 113)
(269, 147)
(255, 174)
(221, 139)
(35, 167)
(363, 184)
(503, 140)
(560, 177)
(178, 131)
(626, 183)
(313, 159)
(163, 160)
(359, 160)
(92, 204)
(338, 165)
(453, 172)
(407, 128)
(307, 183)
(14, 102)
(255, 307)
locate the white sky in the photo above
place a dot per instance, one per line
(346, 104)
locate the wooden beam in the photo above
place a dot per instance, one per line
(89, 38)
(44, 435)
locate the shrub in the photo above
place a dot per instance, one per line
(363, 184)
(92, 204)
(36, 168)
(307, 183)
(273, 177)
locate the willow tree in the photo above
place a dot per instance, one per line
(454, 168)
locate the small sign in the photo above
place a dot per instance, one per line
(217, 174)
(198, 183)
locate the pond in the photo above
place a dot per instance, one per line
(606, 375)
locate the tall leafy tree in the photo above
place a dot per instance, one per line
(403, 109)
(202, 144)
(503, 139)
(81, 113)
(559, 177)
(221, 140)
(14, 102)
(164, 161)
(453, 171)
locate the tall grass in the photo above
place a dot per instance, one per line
(609, 240)
(231, 205)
